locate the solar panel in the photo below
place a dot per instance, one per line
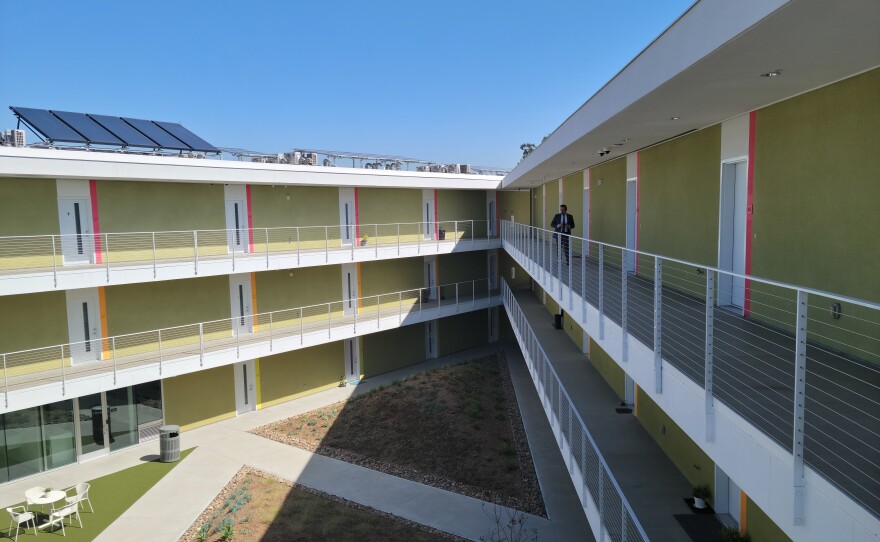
(92, 131)
(189, 138)
(43, 121)
(129, 136)
(160, 136)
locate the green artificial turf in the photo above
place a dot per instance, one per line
(111, 495)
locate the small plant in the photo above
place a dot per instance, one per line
(228, 532)
(224, 525)
(513, 530)
(202, 533)
(732, 534)
(701, 494)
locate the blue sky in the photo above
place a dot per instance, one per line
(450, 81)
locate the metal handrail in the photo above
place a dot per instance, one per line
(517, 320)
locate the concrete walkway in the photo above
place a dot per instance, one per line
(175, 502)
(652, 484)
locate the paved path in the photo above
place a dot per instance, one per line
(174, 503)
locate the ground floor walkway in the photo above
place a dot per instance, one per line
(174, 503)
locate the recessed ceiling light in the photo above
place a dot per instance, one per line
(674, 118)
(774, 73)
(618, 144)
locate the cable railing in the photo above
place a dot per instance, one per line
(616, 518)
(281, 330)
(800, 364)
(55, 253)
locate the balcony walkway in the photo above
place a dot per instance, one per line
(651, 483)
(754, 362)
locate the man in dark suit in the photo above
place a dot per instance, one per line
(563, 223)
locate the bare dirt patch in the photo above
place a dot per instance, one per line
(455, 427)
(258, 507)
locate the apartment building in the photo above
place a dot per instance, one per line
(724, 185)
(144, 288)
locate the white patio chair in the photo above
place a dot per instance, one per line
(19, 515)
(67, 511)
(80, 495)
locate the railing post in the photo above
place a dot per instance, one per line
(584, 247)
(398, 238)
(623, 534)
(708, 365)
(63, 376)
(266, 232)
(658, 325)
(201, 344)
(5, 377)
(570, 275)
(326, 244)
(800, 382)
(160, 352)
(297, 246)
(107, 254)
(113, 343)
(623, 308)
(601, 291)
(196, 250)
(437, 235)
(438, 297)
(154, 254)
(601, 499)
(55, 268)
(270, 332)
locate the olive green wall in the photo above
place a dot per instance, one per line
(551, 202)
(307, 206)
(390, 350)
(608, 202)
(33, 321)
(760, 527)
(574, 331)
(28, 207)
(144, 206)
(610, 371)
(277, 290)
(388, 205)
(462, 205)
(199, 398)
(816, 191)
(463, 266)
(284, 377)
(573, 198)
(463, 331)
(146, 306)
(516, 203)
(385, 276)
(505, 263)
(684, 452)
(678, 197)
(537, 206)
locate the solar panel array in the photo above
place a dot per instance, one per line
(68, 127)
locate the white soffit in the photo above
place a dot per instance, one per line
(706, 68)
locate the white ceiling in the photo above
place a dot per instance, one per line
(705, 69)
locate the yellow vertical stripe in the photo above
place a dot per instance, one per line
(254, 299)
(743, 500)
(259, 386)
(102, 309)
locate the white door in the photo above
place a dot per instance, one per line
(629, 390)
(631, 211)
(245, 387)
(732, 232)
(93, 438)
(240, 303)
(349, 288)
(492, 213)
(585, 223)
(492, 265)
(429, 223)
(733, 500)
(347, 222)
(431, 277)
(431, 339)
(77, 240)
(236, 226)
(352, 360)
(84, 325)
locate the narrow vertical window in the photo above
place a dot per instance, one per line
(245, 380)
(76, 218)
(86, 334)
(348, 277)
(241, 302)
(347, 224)
(237, 227)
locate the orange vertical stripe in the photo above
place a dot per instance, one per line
(636, 399)
(254, 299)
(102, 309)
(743, 499)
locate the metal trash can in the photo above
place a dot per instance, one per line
(557, 321)
(169, 443)
(441, 234)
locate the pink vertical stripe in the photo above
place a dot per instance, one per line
(750, 211)
(96, 222)
(250, 219)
